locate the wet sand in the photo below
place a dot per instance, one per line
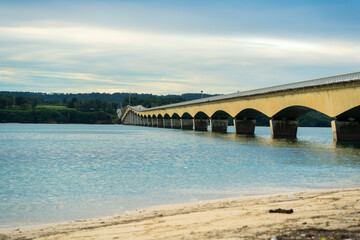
(329, 214)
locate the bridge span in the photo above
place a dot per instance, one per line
(335, 96)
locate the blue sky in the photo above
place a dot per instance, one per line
(172, 47)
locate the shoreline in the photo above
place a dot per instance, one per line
(69, 221)
(243, 217)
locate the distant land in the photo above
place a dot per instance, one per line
(96, 108)
(147, 100)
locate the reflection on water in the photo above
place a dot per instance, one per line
(63, 172)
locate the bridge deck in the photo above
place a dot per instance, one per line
(337, 79)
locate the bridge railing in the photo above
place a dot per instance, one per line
(343, 78)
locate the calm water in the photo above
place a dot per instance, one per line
(52, 173)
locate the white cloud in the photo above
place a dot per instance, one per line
(111, 59)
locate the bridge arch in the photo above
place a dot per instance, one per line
(284, 123)
(187, 121)
(160, 121)
(219, 121)
(201, 121)
(186, 115)
(166, 121)
(201, 115)
(249, 113)
(346, 126)
(175, 116)
(175, 121)
(246, 120)
(291, 113)
(352, 114)
(154, 121)
(220, 114)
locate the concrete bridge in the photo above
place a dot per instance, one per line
(336, 96)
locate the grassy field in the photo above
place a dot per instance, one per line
(52, 106)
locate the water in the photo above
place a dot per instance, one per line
(53, 173)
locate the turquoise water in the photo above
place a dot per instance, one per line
(53, 173)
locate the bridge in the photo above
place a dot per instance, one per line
(335, 96)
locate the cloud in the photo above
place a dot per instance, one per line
(163, 47)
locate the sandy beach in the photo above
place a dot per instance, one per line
(325, 214)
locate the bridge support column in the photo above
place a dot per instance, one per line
(138, 121)
(175, 123)
(149, 122)
(200, 124)
(244, 126)
(167, 123)
(160, 123)
(154, 122)
(143, 121)
(129, 122)
(132, 119)
(186, 124)
(219, 125)
(345, 131)
(283, 128)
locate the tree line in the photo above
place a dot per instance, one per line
(147, 100)
(45, 115)
(28, 109)
(26, 103)
(32, 107)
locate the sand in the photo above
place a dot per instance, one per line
(326, 214)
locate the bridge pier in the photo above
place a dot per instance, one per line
(154, 122)
(219, 125)
(132, 122)
(149, 122)
(129, 120)
(167, 123)
(200, 124)
(143, 121)
(160, 122)
(186, 124)
(138, 121)
(345, 131)
(245, 126)
(175, 123)
(283, 128)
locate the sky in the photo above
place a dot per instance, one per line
(174, 46)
